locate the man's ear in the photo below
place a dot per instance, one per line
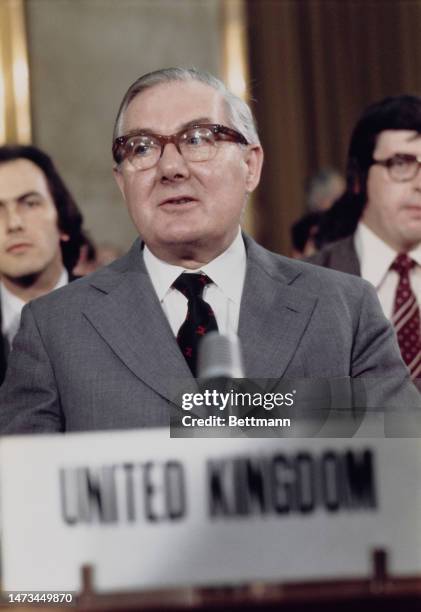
(119, 180)
(64, 237)
(254, 162)
(356, 186)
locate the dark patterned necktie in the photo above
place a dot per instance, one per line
(200, 318)
(406, 316)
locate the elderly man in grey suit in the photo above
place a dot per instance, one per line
(102, 353)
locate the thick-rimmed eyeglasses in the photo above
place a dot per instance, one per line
(197, 143)
(400, 167)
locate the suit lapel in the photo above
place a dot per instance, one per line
(128, 316)
(273, 316)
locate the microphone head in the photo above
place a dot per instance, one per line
(220, 356)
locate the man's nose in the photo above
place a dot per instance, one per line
(172, 165)
(417, 178)
(14, 219)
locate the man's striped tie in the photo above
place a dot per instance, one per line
(406, 316)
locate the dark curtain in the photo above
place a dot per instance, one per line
(315, 65)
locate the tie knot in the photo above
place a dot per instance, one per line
(191, 285)
(402, 264)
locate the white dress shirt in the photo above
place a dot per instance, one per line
(11, 308)
(375, 258)
(227, 272)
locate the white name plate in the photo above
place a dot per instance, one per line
(148, 511)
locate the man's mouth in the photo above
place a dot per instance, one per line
(414, 209)
(18, 247)
(178, 201)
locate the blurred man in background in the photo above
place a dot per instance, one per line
(303, 233)
(93, 256)
(40, 235)
(378, 220)
(323, 189)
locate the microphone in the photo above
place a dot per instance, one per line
(220, 357)
(219, 363)
(219, 372)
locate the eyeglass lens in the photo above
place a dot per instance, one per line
(195, 144)
(403, 167)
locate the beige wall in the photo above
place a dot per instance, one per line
(83, 55)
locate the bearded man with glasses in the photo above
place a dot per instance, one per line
(104, 353)
(380, 216)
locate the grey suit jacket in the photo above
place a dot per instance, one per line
(99, 354)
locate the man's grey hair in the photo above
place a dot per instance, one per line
(239, 113)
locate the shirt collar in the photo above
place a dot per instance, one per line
(415, 254)
(63, 280)
(375, 255)
(227, 271)
(11, 304)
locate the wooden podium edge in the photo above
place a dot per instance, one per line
(380, 586)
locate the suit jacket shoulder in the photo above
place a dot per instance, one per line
(340, 255)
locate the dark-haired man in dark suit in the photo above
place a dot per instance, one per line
(40, 235)
(378, 220)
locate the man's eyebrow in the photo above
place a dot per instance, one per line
(183, 126)
(28, 194)
(196, 122)
(24, 196)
